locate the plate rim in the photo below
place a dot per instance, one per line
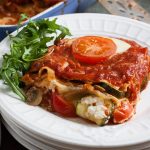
(22, 123)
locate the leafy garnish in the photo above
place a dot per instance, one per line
(23, 17)
(27, 46)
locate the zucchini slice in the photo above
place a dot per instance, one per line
(144, 83)
(95, 110)
(110, 105)
(110, 90)
(82, 110)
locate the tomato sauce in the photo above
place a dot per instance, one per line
(132, 65)
(129, 69)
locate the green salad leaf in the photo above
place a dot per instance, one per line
(27, 46)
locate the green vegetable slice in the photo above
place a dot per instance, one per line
(81, 111)
(144, 83)
(110, 90)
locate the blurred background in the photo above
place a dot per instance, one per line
(10, 10)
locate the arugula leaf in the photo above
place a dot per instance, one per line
(23, 17)
(27, 46)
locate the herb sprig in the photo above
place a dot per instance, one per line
(27, 46)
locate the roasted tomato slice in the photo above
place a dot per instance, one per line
(93, 49)
(62, 106)
(123, 112)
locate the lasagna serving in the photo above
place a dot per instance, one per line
(10, 10)
(92, 77)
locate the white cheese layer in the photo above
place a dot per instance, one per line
(96, 107)
(122, 46)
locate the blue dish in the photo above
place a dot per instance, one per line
(70, 6)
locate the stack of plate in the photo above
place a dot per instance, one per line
(37, 129)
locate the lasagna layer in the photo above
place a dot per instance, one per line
(98, 92)
(125, 71)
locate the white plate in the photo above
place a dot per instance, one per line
(31, 142)
(74, 131)
(19, 138)
(23, 138)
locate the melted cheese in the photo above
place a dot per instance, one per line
(95, 108)
(122, 46)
